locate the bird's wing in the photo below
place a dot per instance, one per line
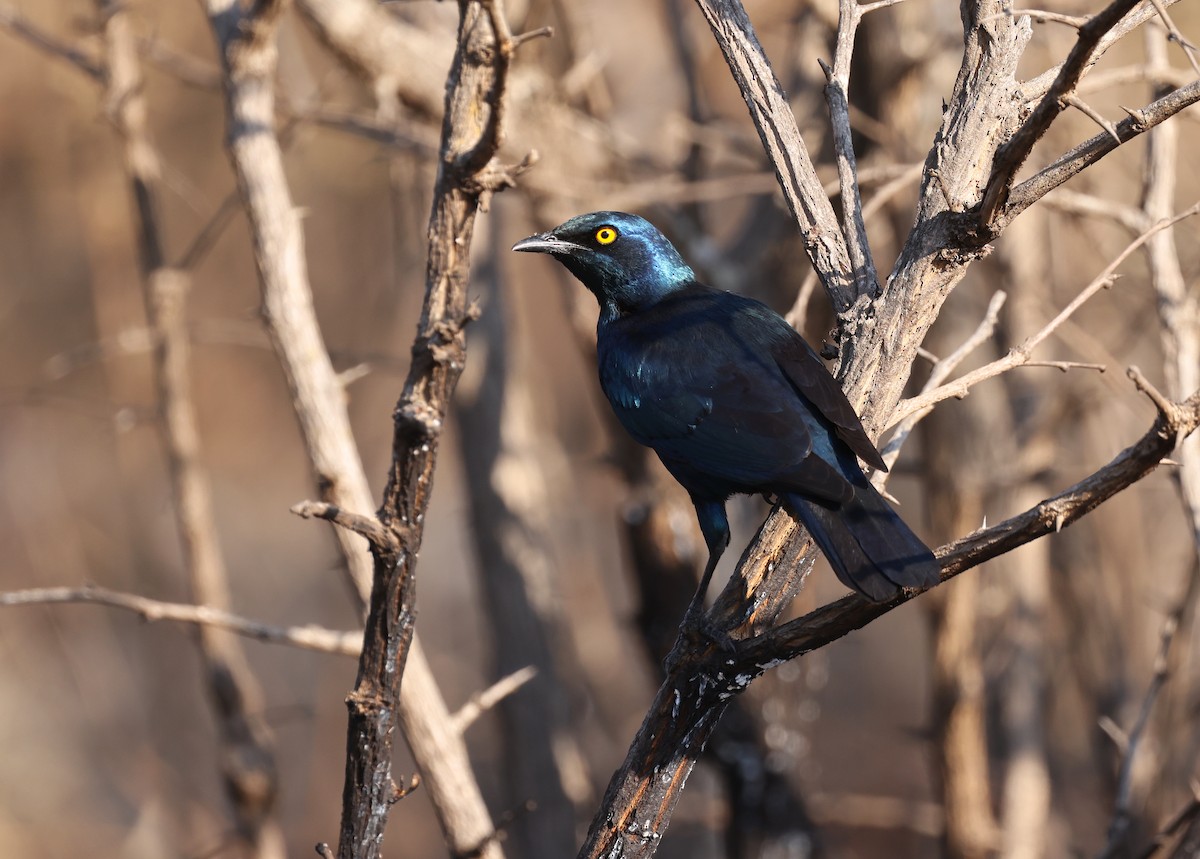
(718, 420)
(807, 372)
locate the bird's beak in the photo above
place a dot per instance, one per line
(545, 243)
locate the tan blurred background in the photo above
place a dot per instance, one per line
(106, 733)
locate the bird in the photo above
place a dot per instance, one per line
(734, 401)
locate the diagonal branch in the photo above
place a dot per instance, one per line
(1022, 354)
(1090, 151)
(19, 25)
(835, 620)
(1012, 155)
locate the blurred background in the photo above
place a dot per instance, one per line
(982, 719)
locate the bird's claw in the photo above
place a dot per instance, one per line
(698, 631)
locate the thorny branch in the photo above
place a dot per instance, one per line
(1012, 155)
(1090, 151)
(1021, 354)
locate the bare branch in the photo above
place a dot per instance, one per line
(1131, 218)
(1178, 305)
(1118, 829)
(1012, 155)
(1091, 151)
(481, 702)
(307, 637)
(780, 137)
(1094, 115)
(1038, 87)
(835, 620)
(365, 526)
(22, 27)
(246, 756)
(1020, 355)
(940, 372)
(1175, 36)
(471, 133)
(1042, 15)
(854, 228)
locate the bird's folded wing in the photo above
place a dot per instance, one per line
(804, 368)
(728, 426)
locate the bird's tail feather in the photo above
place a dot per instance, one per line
(869, 546)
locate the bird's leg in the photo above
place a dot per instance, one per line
(714, 524)
(694, 616)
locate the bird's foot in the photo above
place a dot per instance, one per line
(699, 632)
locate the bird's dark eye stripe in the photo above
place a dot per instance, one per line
(606, 235)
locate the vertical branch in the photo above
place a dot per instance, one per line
(837, 87)
(1179, 324)
(247, 759)
(1178, 307)
(1025, 259)
(248, 58)
(471, 134)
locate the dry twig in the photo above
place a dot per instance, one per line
(308, 637)
(1020, 355)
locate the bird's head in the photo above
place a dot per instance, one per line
(623, 259)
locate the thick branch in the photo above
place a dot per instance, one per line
(471, 132)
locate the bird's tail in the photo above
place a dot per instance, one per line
(869, 547)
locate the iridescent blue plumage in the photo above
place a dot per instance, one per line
(733, 401)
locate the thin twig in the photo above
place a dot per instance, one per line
(1041, 15)
(854, 228)
(308, 637)
(1090, 151)
(1189, 49)
(485, 700)
(367, 527)
(1020, 355)
(941, 371)
(1094, 115)
(1122, 812)
(43, 40)
(780, 136)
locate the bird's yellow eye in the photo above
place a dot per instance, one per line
(606, 235)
